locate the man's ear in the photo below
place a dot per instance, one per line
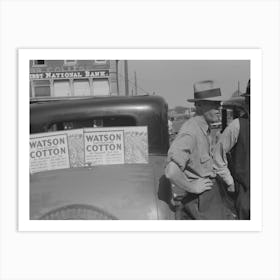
(197, 104)
(198, 108)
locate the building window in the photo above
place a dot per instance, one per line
(70, 62)
(100, 61)
(39, 62)
(81, 87)
(61, 88)
(42, 91)
(30, 90)
(101, 87)
(42, 88)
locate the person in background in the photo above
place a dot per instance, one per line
(170, 125)
(190, 162)
(236, 140)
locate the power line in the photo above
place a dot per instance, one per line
(133, 84)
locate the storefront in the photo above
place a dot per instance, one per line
(59, 79)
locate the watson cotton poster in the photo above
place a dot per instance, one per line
(88, 147)
(48, 151)
(104, 146)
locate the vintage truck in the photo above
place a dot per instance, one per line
(132, 191)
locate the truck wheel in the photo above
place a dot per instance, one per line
(78, 212)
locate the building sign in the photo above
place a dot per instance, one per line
(88, 147)
(70, 75)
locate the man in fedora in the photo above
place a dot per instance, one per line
(235, 143)
(190, 162)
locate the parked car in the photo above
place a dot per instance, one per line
(130, 191)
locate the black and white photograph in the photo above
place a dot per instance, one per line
(140, 139)
(104, 145)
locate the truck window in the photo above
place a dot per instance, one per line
(108, 121)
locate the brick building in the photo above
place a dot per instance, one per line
(69, 78)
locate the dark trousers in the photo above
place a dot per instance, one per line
(242, 202)
(209, 205)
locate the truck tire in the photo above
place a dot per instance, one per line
(77, 212)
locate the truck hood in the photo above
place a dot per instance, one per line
(127, 192)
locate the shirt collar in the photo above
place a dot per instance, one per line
(201, 122)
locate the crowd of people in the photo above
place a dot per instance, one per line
(211, 182)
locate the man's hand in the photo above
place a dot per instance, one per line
(231, 188)
(179, 179)
(201, 185)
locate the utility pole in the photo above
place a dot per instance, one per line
(238, 88)
(135, 83)
(117, 71)
(126, 78)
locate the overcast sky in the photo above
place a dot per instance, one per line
(174, 79)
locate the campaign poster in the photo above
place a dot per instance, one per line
(136, 144)
(48, 151)
(88, 147)
(76, 147)
(104, 146)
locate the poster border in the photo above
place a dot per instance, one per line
(255, 57)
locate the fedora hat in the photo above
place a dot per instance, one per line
(206, 90)
(248, 89)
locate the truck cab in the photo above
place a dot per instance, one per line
(128, 190)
